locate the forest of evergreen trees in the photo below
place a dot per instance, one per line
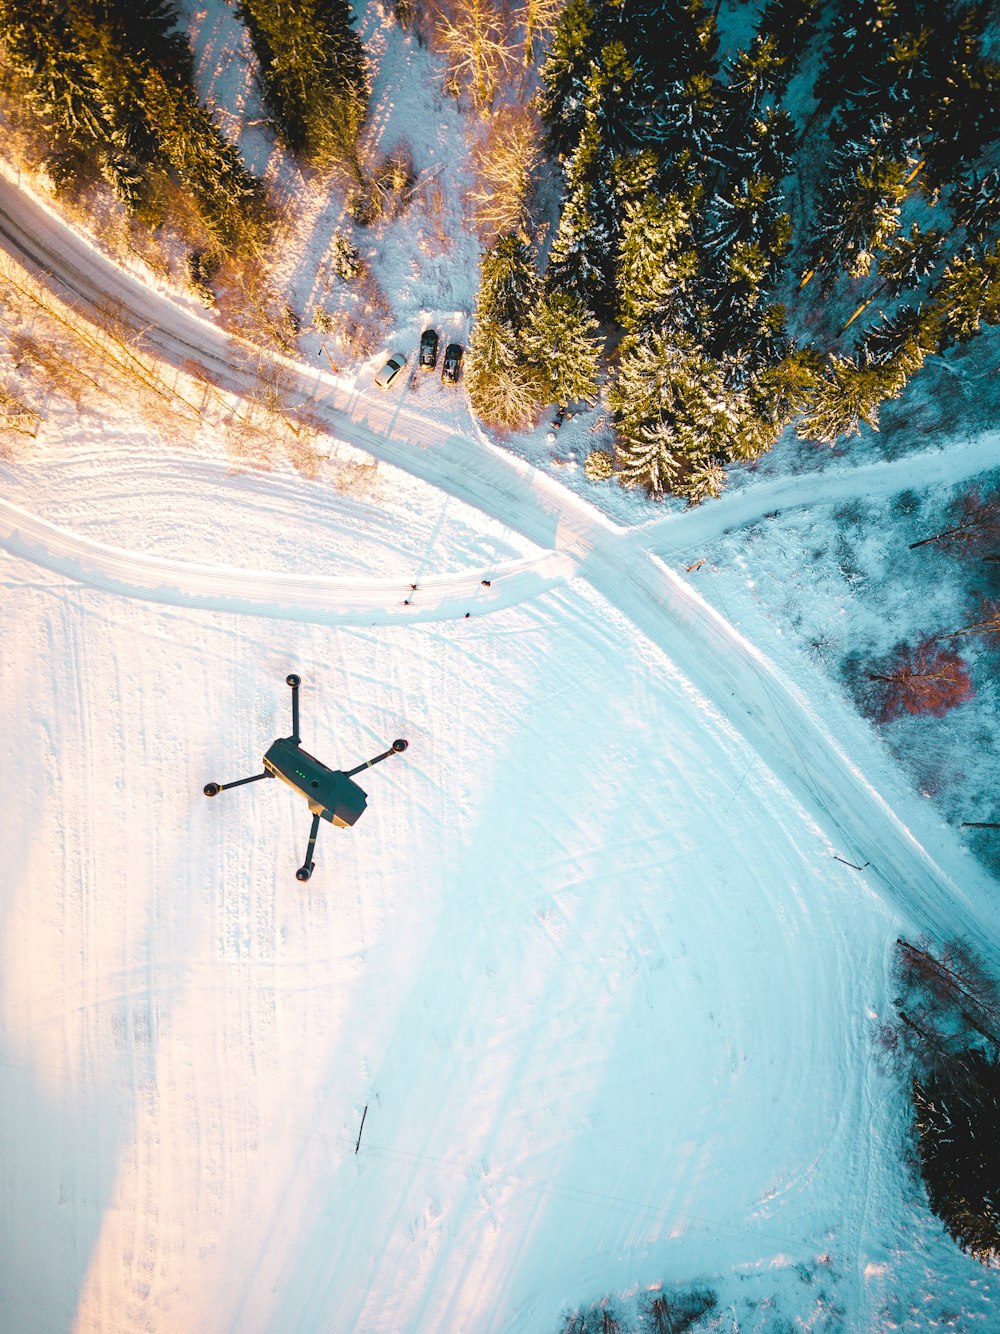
(110, 84)
(779, 237)
(949, 1032)
(313, 74)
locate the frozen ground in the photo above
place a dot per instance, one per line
(595, 960)
(589, 963)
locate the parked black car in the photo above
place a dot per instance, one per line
(428, 350)
(452, 361)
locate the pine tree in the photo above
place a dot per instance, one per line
(313, 73)
(858, 204)
(789, 26)
(906, 338)
(673, 417)
(581, 259)
(230, 200)
(503, 387)
(562, 344)
(847, 394)
(909, 259)
(113, 79)
(579, 35)
(976, 208)
(968, 295)
(657, 264)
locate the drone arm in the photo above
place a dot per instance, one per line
(295, 682)
(213, 789)
(306, 869)
(394, 749)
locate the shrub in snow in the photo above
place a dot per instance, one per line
(385, 189)
(973, 525)
(925, 678)
(598, 465)
(345, 258)
(667, 1312)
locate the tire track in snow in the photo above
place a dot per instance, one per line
(791, 732)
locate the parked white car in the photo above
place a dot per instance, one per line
(390, 370)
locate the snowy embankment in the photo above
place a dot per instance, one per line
(589, 960)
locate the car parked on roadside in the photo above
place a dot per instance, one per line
(428, 350)
(452, 362)
(390, 370)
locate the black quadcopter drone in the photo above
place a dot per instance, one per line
(330, 792)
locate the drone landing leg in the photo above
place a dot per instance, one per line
(308, 866)
(213, 789)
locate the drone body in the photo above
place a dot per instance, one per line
(330, 793)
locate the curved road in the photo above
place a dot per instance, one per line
(816, 745)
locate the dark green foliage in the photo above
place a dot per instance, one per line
(112, 80)
(562, 344)
(313, 72)
(958, 1111)
(848, 393)
(502, 386)
(976, 205)
(968, 295)
(858, 205)
(949, 1012)
(675, 420)
(789, 25)
(728, 241)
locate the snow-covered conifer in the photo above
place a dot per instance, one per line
(789, 26)
(908, 259)
(858, 205)
(906, 338)
(562, 344)
(976, 207)
(968, 295)
(672, 413)
(847, 394)
(502, 387)
(313, 73)
(657, 263)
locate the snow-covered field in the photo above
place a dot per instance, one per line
(589, 959)
(603, 965)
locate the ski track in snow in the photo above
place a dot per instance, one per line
(419, 1232)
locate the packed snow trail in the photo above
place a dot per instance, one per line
(280, 595)
(944, 895)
